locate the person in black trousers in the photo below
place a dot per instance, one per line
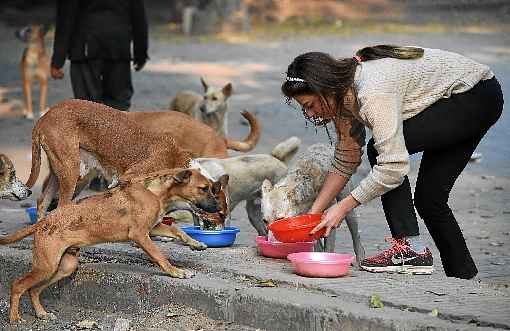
(96, 36)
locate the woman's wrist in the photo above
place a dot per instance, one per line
(349, 203)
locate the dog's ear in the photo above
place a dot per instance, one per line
(2, 164)
(227, 90)
(204, 84)
(224, 180)
(266, 186)
(221, 183)
(5, 163)
(45, 28)
(183, 176)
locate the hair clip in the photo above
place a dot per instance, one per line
(295, 79)
(358, 58)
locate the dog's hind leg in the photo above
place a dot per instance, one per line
(145, 242)
(173, 231)
(41, 272)
(66, 167)
(48, 194)
(352, 223)
(255, 216)
(68, 264)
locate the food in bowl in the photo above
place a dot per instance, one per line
(321, 264)
(213, 238)
(280, 250)
(296, 228)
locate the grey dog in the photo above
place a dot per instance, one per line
(295, 193)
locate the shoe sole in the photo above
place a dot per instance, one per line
(405, 269)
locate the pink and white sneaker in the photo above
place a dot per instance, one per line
(400, 258)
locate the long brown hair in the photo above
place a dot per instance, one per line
(320, 74)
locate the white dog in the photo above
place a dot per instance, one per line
(295, 193)
(210, 108)
(246, 174)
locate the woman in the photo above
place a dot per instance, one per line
(413, 100)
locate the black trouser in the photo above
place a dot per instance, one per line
(447, 133)
(104, 81)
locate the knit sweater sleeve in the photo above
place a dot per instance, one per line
(383, 115)
(348, 149)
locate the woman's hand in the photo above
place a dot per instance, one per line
(57, 73)
(334, 215)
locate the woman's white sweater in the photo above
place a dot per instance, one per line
(390, 91)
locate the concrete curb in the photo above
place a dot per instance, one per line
(137, 288)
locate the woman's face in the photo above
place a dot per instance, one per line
(316, 109)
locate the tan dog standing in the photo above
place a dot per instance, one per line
(210, 108)
(79, 135)
(195, 136)
(11, 187)
(34, 66)
(127, 212)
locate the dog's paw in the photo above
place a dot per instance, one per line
(181, 273)
(197, 245)
(189, 274)
(47, 316)
(28, 116)
(16, 320)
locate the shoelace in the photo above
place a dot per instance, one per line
(397, 246)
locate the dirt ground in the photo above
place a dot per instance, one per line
(256, 66)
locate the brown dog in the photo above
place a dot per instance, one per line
(78, 135)
(11, 187)
(34, 65)
(127, 212)
(195, 136)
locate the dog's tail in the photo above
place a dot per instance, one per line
(18, 235)
(249, 142)
(36, 157)
(286, 150)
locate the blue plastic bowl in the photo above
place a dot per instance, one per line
(213, 238)
(32, 213)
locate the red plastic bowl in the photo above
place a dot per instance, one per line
(320, 264)
(279, 250)
(297, 228)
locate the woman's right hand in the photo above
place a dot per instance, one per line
(57, 73)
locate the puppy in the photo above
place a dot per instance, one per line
(296, 192)
(246, 173)
(11, 187)
(127, 212)
(210, 108)
(34, 66)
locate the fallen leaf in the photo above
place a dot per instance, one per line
(434, 312)
(375, 302)
(172, 314)
(266, 283)
(87, 324)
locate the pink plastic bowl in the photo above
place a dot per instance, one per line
(279, 250)
(319, 264)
